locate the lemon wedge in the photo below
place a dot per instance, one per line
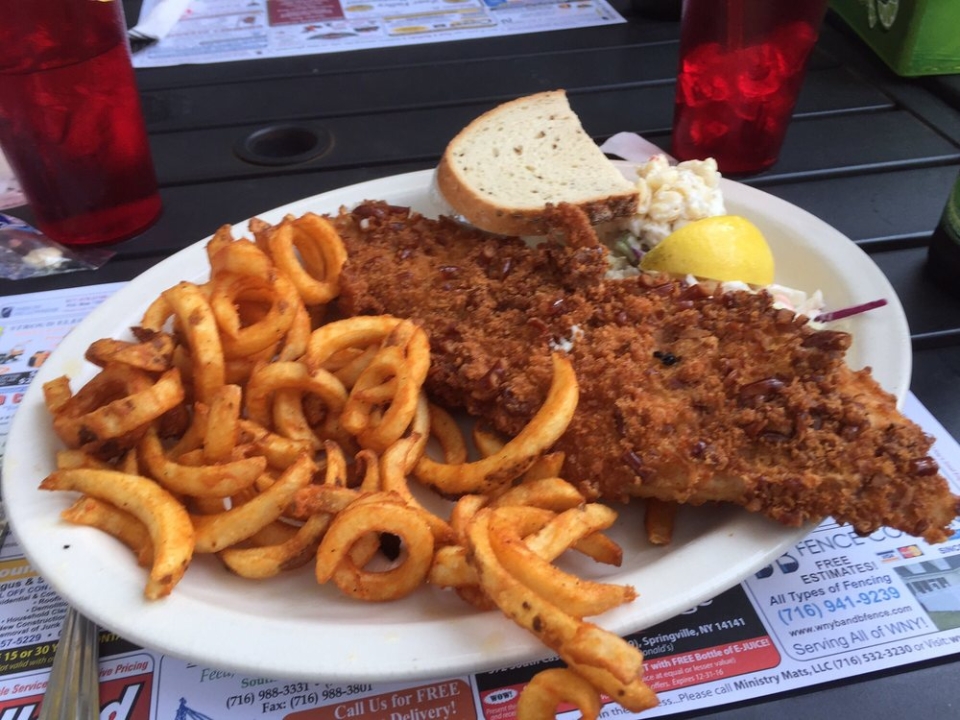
(724, 247)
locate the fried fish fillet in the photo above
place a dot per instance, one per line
(685, 396)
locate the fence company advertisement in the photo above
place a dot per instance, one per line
(836, 605)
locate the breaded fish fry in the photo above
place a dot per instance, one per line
(685, 396)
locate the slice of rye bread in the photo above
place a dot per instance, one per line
(503, 168)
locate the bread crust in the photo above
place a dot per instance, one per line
(498, 217)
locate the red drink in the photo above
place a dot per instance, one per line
(70, 120)
(742, 63)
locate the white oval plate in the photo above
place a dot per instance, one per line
(289, 627)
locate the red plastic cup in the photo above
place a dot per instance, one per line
(71, 124)
(742, 63)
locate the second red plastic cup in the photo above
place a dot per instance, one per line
(742, 63)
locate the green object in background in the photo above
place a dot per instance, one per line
(943, 261)
(914, 37)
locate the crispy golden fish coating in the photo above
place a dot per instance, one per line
(685, 396)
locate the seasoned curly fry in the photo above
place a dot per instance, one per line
(241, 424)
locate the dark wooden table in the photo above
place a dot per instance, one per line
(872, 154)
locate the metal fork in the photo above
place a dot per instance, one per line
(73, 690)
